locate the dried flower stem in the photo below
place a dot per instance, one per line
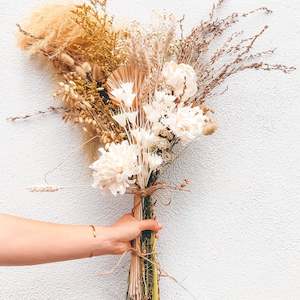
(50, 109)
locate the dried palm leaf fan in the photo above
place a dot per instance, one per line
(124, 74)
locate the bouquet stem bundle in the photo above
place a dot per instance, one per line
(143, 273)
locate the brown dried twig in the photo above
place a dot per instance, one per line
(235, 55)
(50, 109)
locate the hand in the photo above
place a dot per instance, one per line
(126, 229)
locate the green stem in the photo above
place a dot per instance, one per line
(150, 268)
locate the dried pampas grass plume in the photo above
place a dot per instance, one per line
(50, 30)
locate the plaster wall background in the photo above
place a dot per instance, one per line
(236, 236)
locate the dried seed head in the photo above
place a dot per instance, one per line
(98, 73)
(44, 189)
(80, 72)
(210, 128)
(86, 67)
(73, 95)
(67, 59)
(86, 104)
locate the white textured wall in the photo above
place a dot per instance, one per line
(235, 236)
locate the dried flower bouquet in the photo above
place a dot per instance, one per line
(136, 93)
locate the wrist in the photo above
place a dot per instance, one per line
(103, 243)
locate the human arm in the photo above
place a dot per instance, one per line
(29, 242)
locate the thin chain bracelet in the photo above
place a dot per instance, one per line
(94, 234)
(94, 230)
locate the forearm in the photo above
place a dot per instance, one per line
(28, 242)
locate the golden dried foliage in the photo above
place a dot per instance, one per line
(86, 106)
(84, 47)
(102, 44)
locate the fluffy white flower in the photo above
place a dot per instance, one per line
(152, 114)
(125, 93)
(143, 137)
(154, 161)
(165, 100)
(186, 122)
(181, 78)
(115, 167)
(161, 105)
(123, 117)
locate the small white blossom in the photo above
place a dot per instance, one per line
(181, 78)
(161, 105)
(125, 93)
(115, 167)
(154, 161)
(122, 118)
(143, 137)
(152, 114)
(186, 122)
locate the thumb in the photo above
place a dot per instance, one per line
(152, 225)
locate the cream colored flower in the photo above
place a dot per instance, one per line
(125, 94)
(157, 128)
(181, 78)
(122, 118)
(144, 138)
(154, 161)
(186, 122)
(116, 167)
(161, 105)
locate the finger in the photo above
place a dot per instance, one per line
(125, 218)
(152, 225)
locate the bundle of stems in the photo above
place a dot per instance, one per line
(144, 269)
